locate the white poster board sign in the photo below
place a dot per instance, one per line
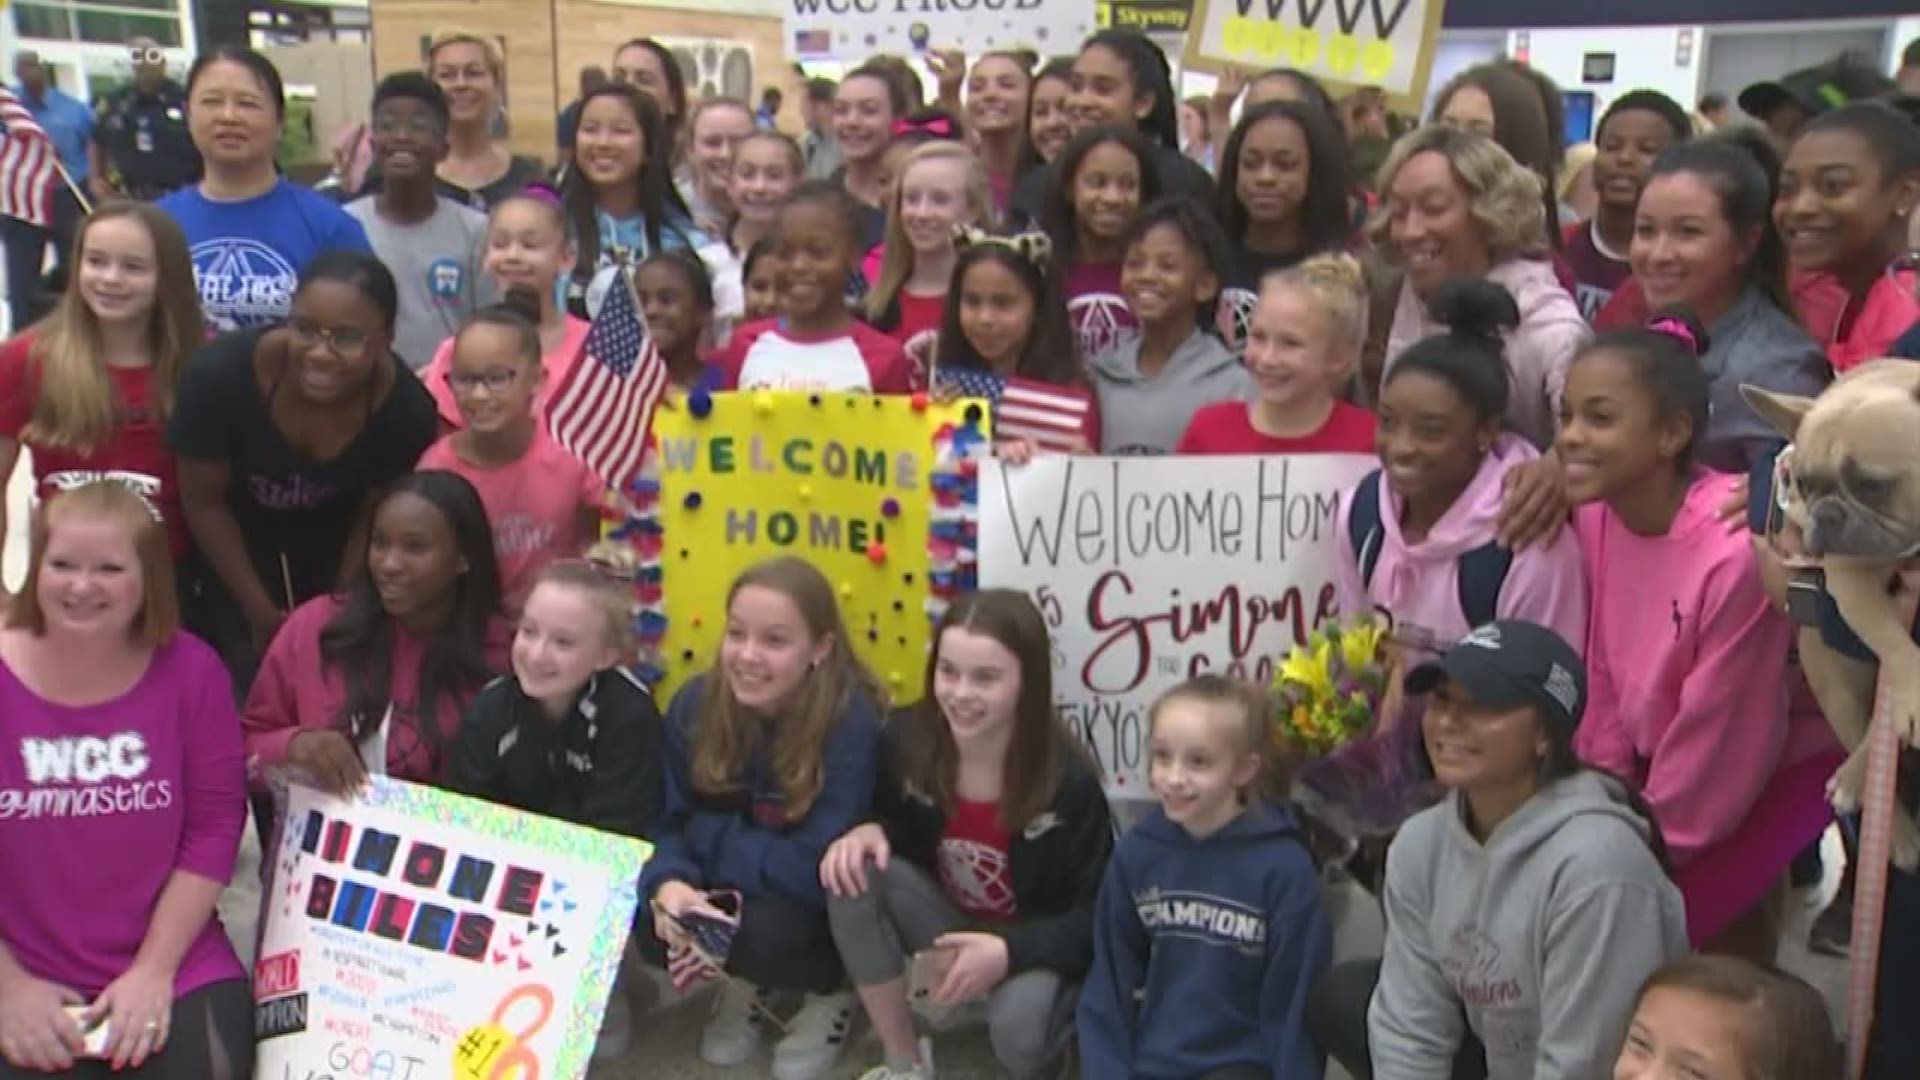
(1350, 43)
(852, 30)
(415, 934)
(1153, 570)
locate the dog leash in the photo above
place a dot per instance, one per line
(1876, 842)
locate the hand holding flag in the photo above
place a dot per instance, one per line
(602, 410)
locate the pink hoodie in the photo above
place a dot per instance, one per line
(1417, 584)
(1688, 686)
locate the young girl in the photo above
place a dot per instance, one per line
(374, 680)
(1150, 387)
(1500, 899)
(527, 249)
(1283, 197)
(1105, 176)
(1722, 1018)
(1688, 657)
(89, 390)
(998, 88)
(1001, 318)
(815, 344)
(569, 733)
(618, 193)
(675, 298)
(1209, 928)
(713, 136)
(1302, 349)
(770, 757)
(1457, 205)
(989, 837)
(767, 166)
(1849, 186)
(1636, 129)
(542, 503)
(867, 104)
(940, 188)
(760, 278)
(1048, 126)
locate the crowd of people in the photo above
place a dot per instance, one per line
(299, 510)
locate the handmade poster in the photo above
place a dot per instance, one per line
(1350, 43)
(852, 29)
(848, 482)
(1153, 570)
(414, 934)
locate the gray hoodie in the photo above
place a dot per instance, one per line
(1141, 415)
(1539, 939)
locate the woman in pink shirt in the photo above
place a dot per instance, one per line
(376, 680)
(121, 812)
(1686, 657)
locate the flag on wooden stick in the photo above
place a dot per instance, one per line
(603, 410)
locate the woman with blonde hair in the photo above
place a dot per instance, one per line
(940, 188)
(770, 757)
(130, 787)
(1454, 204)
(90, 388)
(479, 169)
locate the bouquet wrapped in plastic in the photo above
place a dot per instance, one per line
(1350, 766)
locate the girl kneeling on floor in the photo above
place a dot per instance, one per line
(770, 757)
(991, 832)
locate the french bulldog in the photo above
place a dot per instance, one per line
(1851, 495)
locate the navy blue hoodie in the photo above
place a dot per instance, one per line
(1204, 951)
(740, 839)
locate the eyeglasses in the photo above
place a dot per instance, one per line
(496, 381)
(347, 342)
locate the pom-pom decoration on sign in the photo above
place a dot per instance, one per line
(1358, 43)
(844, 481)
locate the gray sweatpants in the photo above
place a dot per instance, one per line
(1029, 1016)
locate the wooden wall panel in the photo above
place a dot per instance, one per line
(525, 25)
(588, 31)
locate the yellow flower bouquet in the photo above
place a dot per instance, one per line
(1327, 692)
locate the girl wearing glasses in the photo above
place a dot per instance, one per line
(284, 436)
(542, 503)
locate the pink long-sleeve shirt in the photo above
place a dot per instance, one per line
(100, 805)
(292, 694)
(1689, 691)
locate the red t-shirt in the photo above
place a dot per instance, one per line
(768, 356)
(917, 332)
(974, 869)
(135, 454)
(1225, 427)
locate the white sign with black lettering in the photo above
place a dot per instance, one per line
(855, 29)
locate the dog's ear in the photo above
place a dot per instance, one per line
(1783, 411)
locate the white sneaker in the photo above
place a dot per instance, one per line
(922, 1071)
(732, 1033)
(815, 1037)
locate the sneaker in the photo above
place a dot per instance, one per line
(616, 1029)
(815, 1037)
(732, 1033)
(921, 1071)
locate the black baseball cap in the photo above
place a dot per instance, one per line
(1815, 89)
(1509, 664)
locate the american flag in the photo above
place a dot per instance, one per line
(603, 409)
(27, 164)
(1053, 417)
(703, 954)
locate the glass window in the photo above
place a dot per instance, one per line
(114, 27)
(42, 21)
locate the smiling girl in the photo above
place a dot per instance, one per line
(619, 196)
(1104, 177)
(767, 166)
(713, 137)
(1635, 130)
(1722, 1018)
(866, 106)
(998, 88)
(1850, 184)
(88, 391)
(770, 757)
(990, 836)
(374, 680)
(1688, 658)
(940, 188)
(1048, 127)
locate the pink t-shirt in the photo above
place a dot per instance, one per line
(769, 356)
(534, 505)
(100, 805)
(555, 364)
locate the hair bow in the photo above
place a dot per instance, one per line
(940, 127)
(1676, 329)
(541, 191)
(1034, 247)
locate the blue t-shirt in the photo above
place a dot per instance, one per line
(248, 255)
(68, 123)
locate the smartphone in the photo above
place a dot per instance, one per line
(95, 1037)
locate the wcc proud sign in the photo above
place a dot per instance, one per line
(854, 29)
(1153, 570)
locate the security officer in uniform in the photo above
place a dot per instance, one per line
(141, 147)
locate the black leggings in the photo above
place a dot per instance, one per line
(1337, 1020)
(781, 945)
(209, 1037)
